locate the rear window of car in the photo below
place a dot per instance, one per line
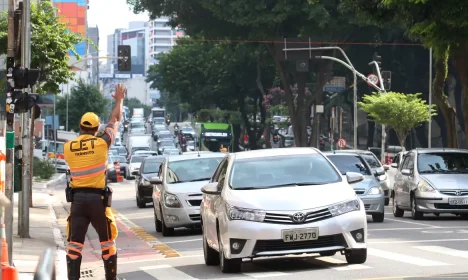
(350, 163)
(372, 161)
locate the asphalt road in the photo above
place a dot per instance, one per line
(398, 248)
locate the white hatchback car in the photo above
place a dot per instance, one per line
(277, 202)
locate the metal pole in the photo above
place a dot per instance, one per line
(384, 135)
(23, 208)
(55, 133)
(10, 132)
(355, 115)
(429, 136)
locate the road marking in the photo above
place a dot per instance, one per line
(413, 223)
(415, 241)
(266, 274)
(403, 258)
(387, 229)
(155, 267)
(344, 265)
(430, 276)
(444, 250)
(169, 273)
(183, 241)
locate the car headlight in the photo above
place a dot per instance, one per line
(375, 190)
(171, 201)
(145, 183)
(382, 178)
(424, 186)
(345, 207)
(234, 213)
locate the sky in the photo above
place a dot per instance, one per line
(109, 15)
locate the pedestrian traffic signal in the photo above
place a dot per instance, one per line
(124, 62)
(387, 79)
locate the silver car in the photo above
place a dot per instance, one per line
(378, 169)
(432, 181)
(369, 190)
(176, 194)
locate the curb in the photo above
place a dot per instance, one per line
(60, 253)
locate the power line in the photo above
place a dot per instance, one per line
(304, 43)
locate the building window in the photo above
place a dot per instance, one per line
(162, 41)
(161, 48)
(158, 24)
(162, 32)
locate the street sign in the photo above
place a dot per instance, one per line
(373, 79)
(341, 143)
(337, 84)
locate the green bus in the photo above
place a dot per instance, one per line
(210, 136)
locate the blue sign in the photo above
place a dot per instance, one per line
(49, 120)
(333, 89)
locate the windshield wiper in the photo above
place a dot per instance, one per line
(309, 184)
(202, 179)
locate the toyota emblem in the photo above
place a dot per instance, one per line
(298, 218)
(458, 193)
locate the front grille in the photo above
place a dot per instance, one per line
(195, 217)
(367, 206)
(447, 206)
(454, 192)
(280, 245)
(360, 191)
(194, 202)
(311, 217)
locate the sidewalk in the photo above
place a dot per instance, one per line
(43, 231)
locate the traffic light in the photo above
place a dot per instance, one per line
(124, 62)
(387, 79)
(24, 77)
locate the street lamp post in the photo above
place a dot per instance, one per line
(429, 132)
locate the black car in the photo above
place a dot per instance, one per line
(111, 172)
(143, 188)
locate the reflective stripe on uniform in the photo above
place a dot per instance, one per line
(88, 171)
(108, 249)
(74, 249)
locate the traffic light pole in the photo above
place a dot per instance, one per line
(384, 134)
(23, 206)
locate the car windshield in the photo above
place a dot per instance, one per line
(191, 170)
(282, 171)
(349, 163)
(187, 129)
(114, 152)
(165, 136)
(166, 143)
(137, 159)
(152, 165)
(443, 162)
(122, 150)
(372, 161)
(121, 159)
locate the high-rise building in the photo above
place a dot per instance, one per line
(93, 64)
(162, 37)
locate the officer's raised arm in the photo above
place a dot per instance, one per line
(116, 115)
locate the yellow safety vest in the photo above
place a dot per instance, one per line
(87, 156)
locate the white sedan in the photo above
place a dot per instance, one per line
(276, 202)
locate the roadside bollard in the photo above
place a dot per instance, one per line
(45, 269)
(117, 171)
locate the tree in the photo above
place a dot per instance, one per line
(83, 98)
(134, 102)
(51, 42)
(440, 25)
(401, 112)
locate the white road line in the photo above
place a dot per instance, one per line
(413, 223)
(155, 267)
(403, 258)
(169, 273)
(182, 241)
(387, 229)
(344, 265)
(415, 241)
(266, 274)
(444, 250)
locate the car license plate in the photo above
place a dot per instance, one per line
(458, 201)
(300, 234)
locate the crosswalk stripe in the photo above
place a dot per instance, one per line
(166, 272)
(144, 268)
(444, 250)
(265, 274)
(345, 265)
(403, 258)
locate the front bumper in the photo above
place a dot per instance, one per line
(181, 217)
(373, 204)
(111, 175)
(265, 239)
(439, 203)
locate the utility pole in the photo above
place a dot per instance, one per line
(23, 207)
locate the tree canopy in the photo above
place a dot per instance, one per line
(400, 111)
(51, 42)
(83, 98)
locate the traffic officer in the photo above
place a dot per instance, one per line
(89, 195)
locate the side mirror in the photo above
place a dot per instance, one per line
(353, 177)
(386, 167)
(135, 173)
(156, 180)
(406, 172)
(379, 172)
(211, 188)
(394, 165)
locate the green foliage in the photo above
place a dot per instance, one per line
(43, 168)
(134, 102)
(83, 98)
(218, 116)
(400, 111)
(50, 43)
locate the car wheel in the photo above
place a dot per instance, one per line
(157, 222)
(210, 254)
(387, 201)
(165, 230)
(140, 203)
(228, 265)
(378, 218)
(356, 256)
(397, 212)
(327, 253)
(415, 214)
